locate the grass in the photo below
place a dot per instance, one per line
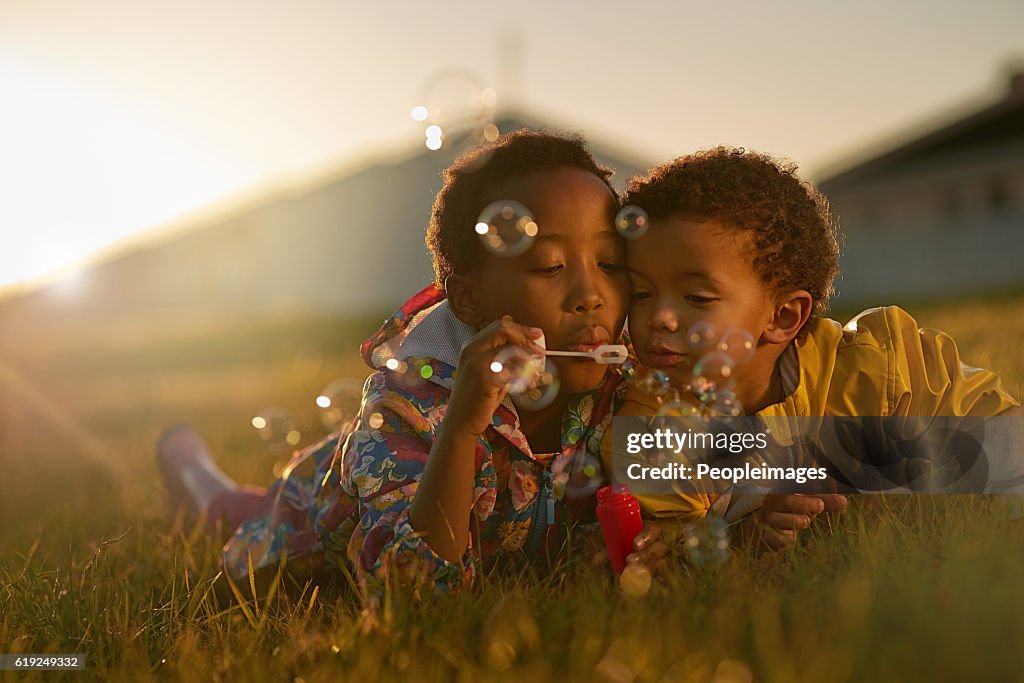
(899, 588)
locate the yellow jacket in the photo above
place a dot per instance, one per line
(880, 363)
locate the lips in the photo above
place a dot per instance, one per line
(663, 357)
(582, 347)
(588, 339)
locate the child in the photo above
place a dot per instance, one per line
(440, 469)
(754, 248)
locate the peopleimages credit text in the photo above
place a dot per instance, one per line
(667, 439)
(841, 454)
(734, 475)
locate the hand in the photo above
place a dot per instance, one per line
(478, 389)
(650, 551)
(773, 526)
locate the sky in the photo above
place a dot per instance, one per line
(120, 117)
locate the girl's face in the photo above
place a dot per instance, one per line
(572, 282)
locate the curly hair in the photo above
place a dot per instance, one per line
(794, 236)
(453, 244)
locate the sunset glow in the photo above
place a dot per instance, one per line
(119, 117)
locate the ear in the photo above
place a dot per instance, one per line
(791, 312)
(463, 297)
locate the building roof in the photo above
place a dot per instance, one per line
(998, 124)
(347, 242)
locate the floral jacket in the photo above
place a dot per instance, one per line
(344, 503)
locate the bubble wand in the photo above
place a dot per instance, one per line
(606, 354)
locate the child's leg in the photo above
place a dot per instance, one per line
(230, 509)
(196, 484)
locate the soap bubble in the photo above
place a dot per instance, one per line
(654, 382)
(339, 401)
(631, 222)
(709, 394)
(635, 581)
(702, 388)
(725, 403)
(543, 391)
(578, 476)
(678, 408)
(277, 427)
(396, 365)
(701, 336)
(457, 101)
(737, 344)
(506, 228)
(509, 632)
(452, 95)
(717, 368)
(707, 542)
(518, 368)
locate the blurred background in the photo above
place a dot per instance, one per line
(205, 207)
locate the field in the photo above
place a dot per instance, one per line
(895, 589)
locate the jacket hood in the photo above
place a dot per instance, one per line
(424, 328)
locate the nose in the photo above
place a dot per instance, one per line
(587, 294)
(663, 318)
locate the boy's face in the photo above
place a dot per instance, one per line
(685, 271)
(572, 282)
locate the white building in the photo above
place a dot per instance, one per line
(939, 216)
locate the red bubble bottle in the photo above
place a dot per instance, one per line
(619, 514)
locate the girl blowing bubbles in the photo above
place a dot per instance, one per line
(440, 471)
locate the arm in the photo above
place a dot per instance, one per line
(927, 375)
(441, 508)
(382, 465)
(415, 488)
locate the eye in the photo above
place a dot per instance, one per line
(641, 295)
(700, 299)
(550, 270)
(611, 267)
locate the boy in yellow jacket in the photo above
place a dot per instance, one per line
(738, 241)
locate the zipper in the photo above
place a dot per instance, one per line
(543, 505)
